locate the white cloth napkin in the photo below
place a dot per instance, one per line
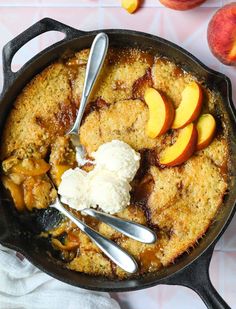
(23, 286)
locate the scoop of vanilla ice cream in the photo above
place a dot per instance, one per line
(107, 185)
(73, 189)
(119, 158)
(107, 191)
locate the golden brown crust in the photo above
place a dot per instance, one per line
(170, 79)
(184, 201)
(35, 108)
(117, 77)
(125, 120)
(91, 263)
(38, 192)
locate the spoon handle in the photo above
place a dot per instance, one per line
(126, 227)
(111, 249)
(96, 59)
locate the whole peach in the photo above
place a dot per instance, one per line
(181, 5)
(221, 34)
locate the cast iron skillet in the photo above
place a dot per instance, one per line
(190, 270)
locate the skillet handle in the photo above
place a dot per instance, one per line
(44, 25)
(196, 277)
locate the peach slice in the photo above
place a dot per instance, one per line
(190, 106)
(221, 34)
(161, 113)
(181, 5)
(182, 149)
(206, 127)
(68, 246)
(131, 5)
(31, 167)
(16, 193)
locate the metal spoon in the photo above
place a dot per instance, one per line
(110, 248)
(96, 59)
(129, 228)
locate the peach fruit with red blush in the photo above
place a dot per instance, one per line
(181, 5)
(221, 34)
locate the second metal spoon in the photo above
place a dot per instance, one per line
(129, 228)
(110, 248)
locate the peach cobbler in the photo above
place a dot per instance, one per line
(169, 117)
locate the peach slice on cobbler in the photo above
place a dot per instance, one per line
(182, 149)
(161, 113)
(190, 106)
(206, 127)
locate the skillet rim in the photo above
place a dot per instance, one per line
(173, 46)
